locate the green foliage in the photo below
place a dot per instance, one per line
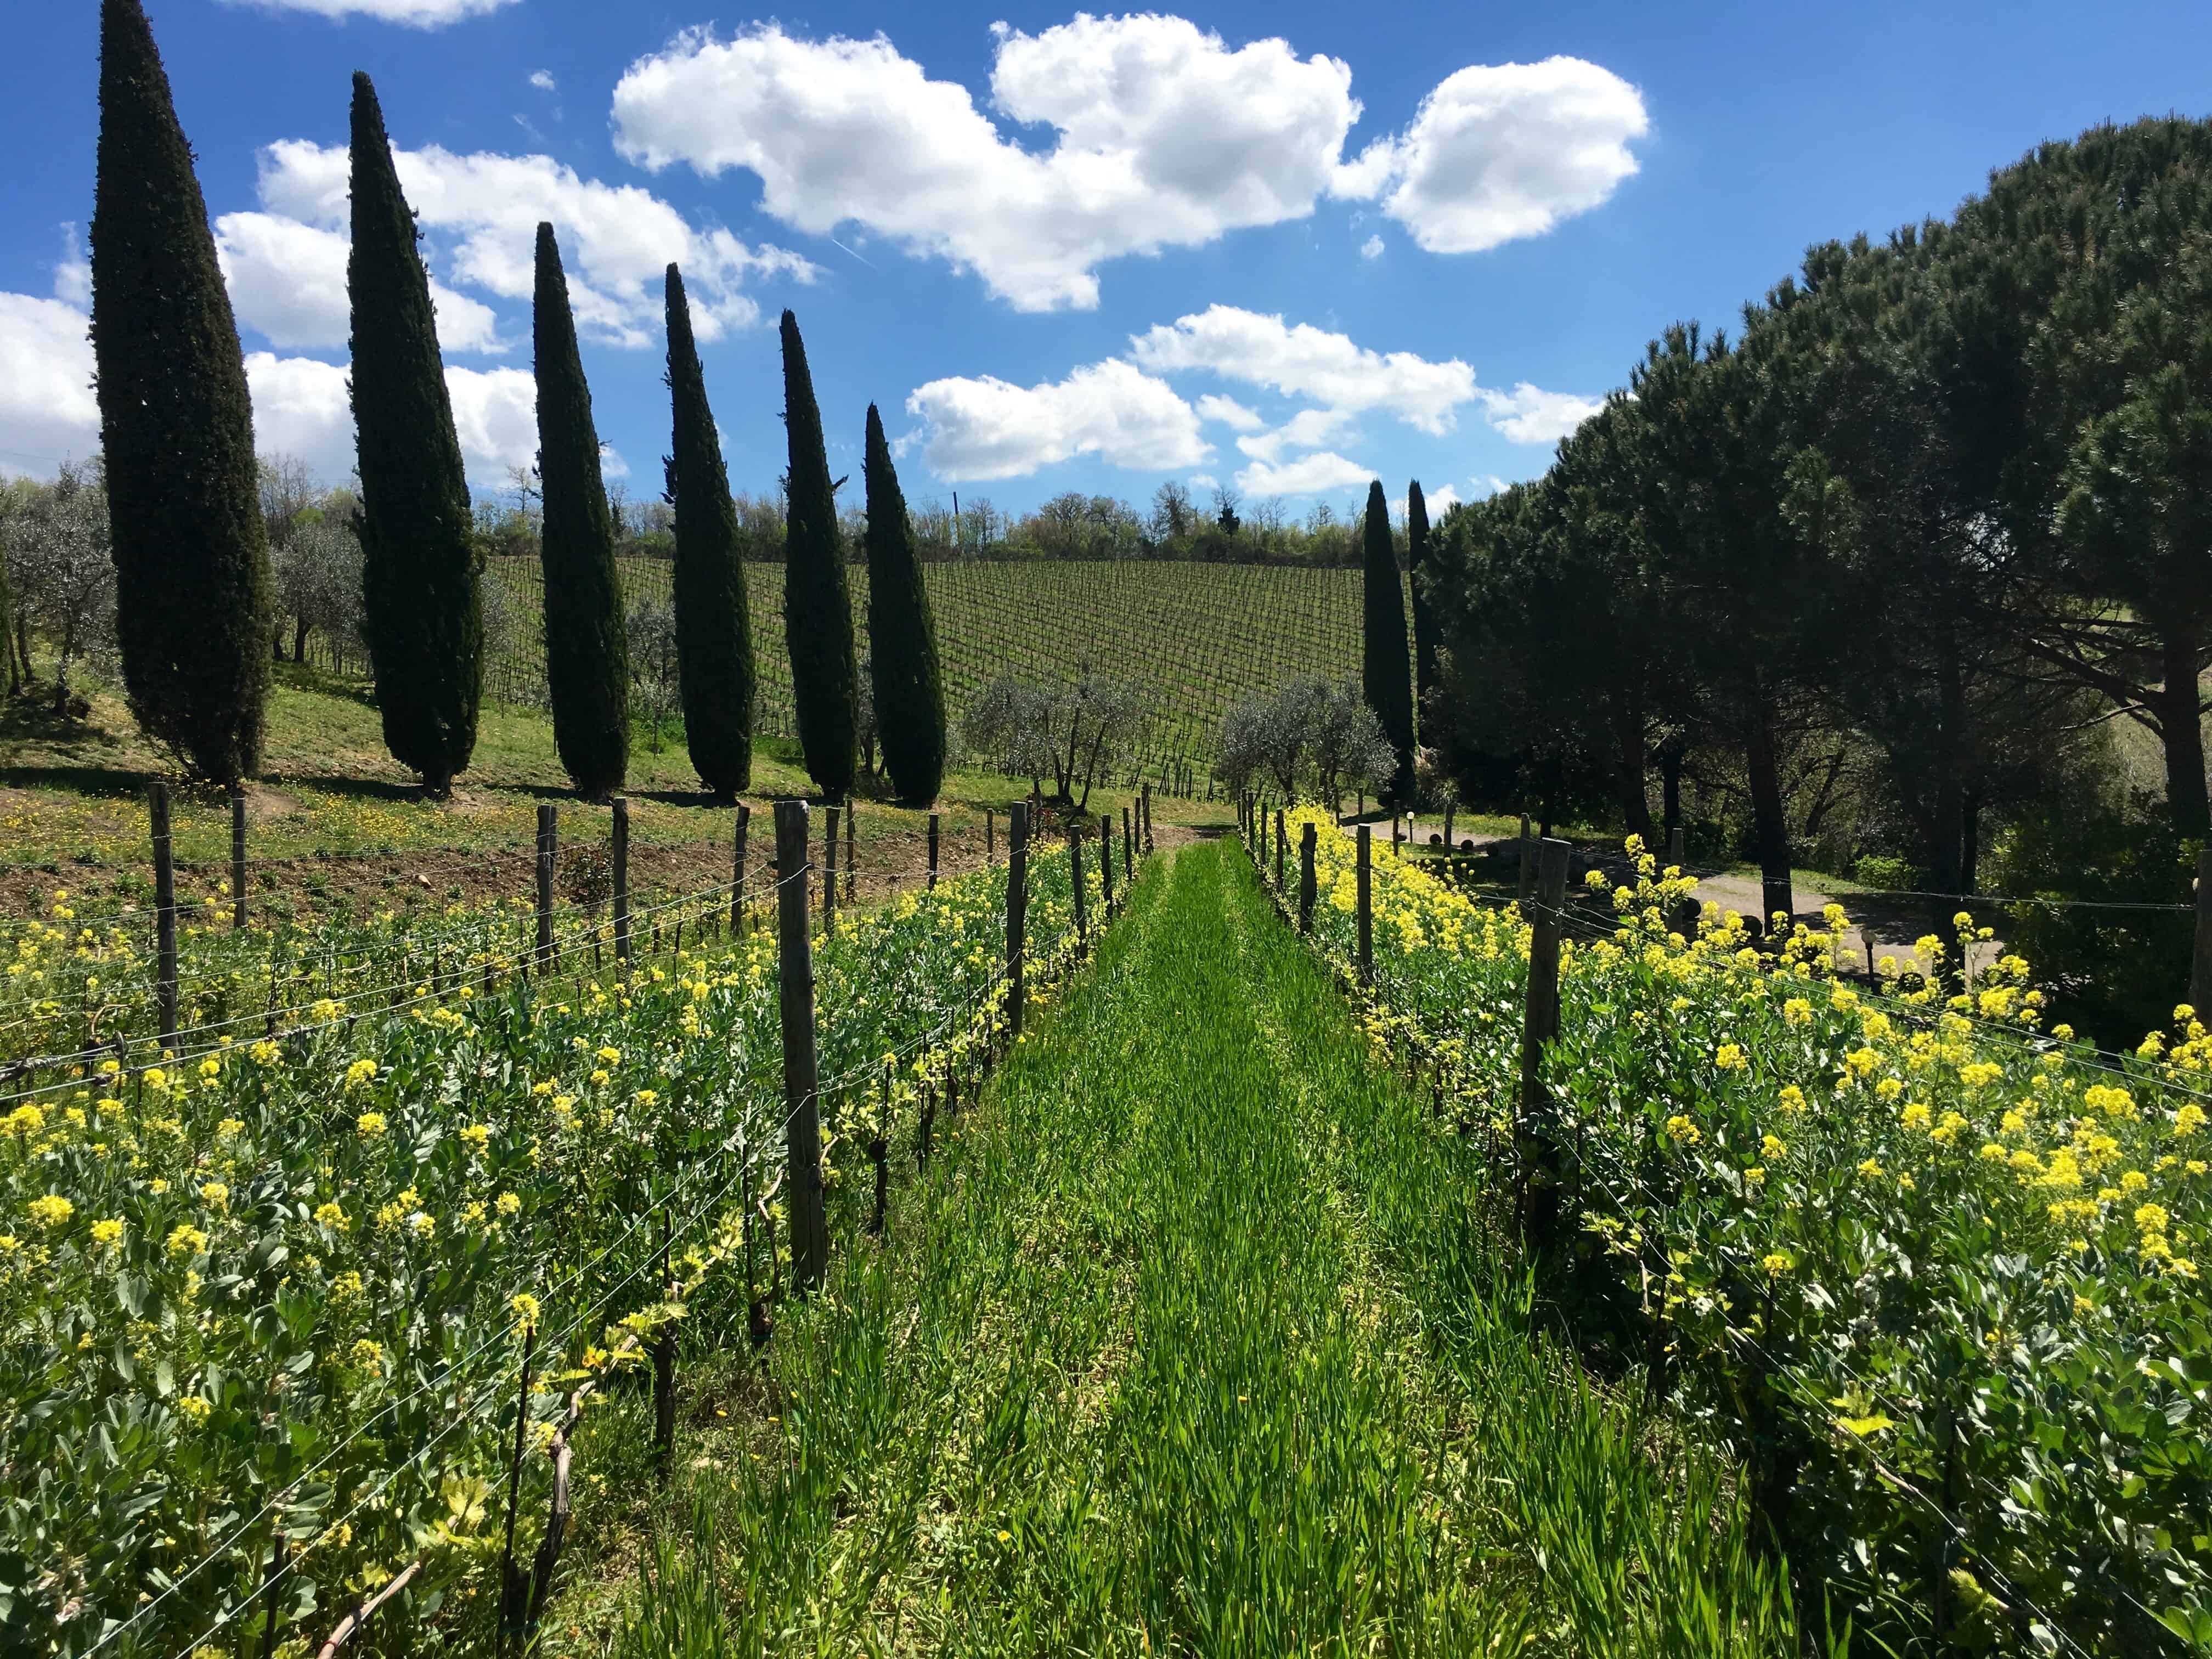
(714, 630)
(818, 610)
(176, 428)
(909, 691)
(358, 1206)
(1927, 1271)
(422, 607)
(1386, 674)
(586, 656)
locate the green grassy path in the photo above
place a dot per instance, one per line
(1190, 1344)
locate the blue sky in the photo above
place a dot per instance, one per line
(1277, 246)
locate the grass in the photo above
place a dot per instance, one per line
(1193, 1340)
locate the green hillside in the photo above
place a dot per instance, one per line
(1196, 637)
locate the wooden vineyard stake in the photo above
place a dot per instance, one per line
(238, 856)
(1128, 846)
(738, 871)
(1106, 857)
(2200, 980)
(1282, 848)
(1527, 872)
(933, 852)
(621, 861)
(1677, 851)
(852, 855)
(990, 837)
(1450, 807)
(1148, 818)
(809, 1235)
(828, 870)
(1366, 878)
(1534, 1161)
(1018, 862)
(549, 832)
(164, 912)
(1306, 879)
(512, 1587)
(1075, 882)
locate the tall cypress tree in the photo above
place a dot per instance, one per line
(176, 423)
(420, 583)
(817, 610)
(1425, 620)
(586, 652)
(713, 628)
(909, 691)
(1386, 675)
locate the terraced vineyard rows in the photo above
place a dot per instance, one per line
(1196, 637)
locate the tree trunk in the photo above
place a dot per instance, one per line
(299, 642)
(1627, 706)
(1943, 864)
(1769, 826)
(2180, 711)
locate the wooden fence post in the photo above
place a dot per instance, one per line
(1128, 846)
(1677, 847)
(933, 852)
(549, 831)
(238, 856)
(990, 836)
(1017, 903)
(1536, 1161)
(164, 912)
(1366, 907)
(1451, 808)
(1282, 847)
(2200, 982)
(1075, 882)
(1148, 818)
(738, 872)
(810, 1235)
(621, 861)
(852, 855)
(1527, 870)
(1306, 878)
(1106, 858)
(828, 870)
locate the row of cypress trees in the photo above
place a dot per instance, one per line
(191, 551)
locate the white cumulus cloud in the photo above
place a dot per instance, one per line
(1231, 413)
(288, 281)
(48, 414)
(987, 428)
(616, 239)
(1529, 415)
(1502, 151)
(1437, 503)
(417, 14)
(1371, 248)
(542, 80)
(1161, 136)
(1309, 428)
(1309, 474)
(1302, 361)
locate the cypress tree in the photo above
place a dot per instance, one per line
(1425, 619)
(713, 628)
(818, 610)
(909, 691)
(424, 609)
(587, 654)
(176, 422)
(1386, 675)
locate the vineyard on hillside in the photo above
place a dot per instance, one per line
(1194, 637)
